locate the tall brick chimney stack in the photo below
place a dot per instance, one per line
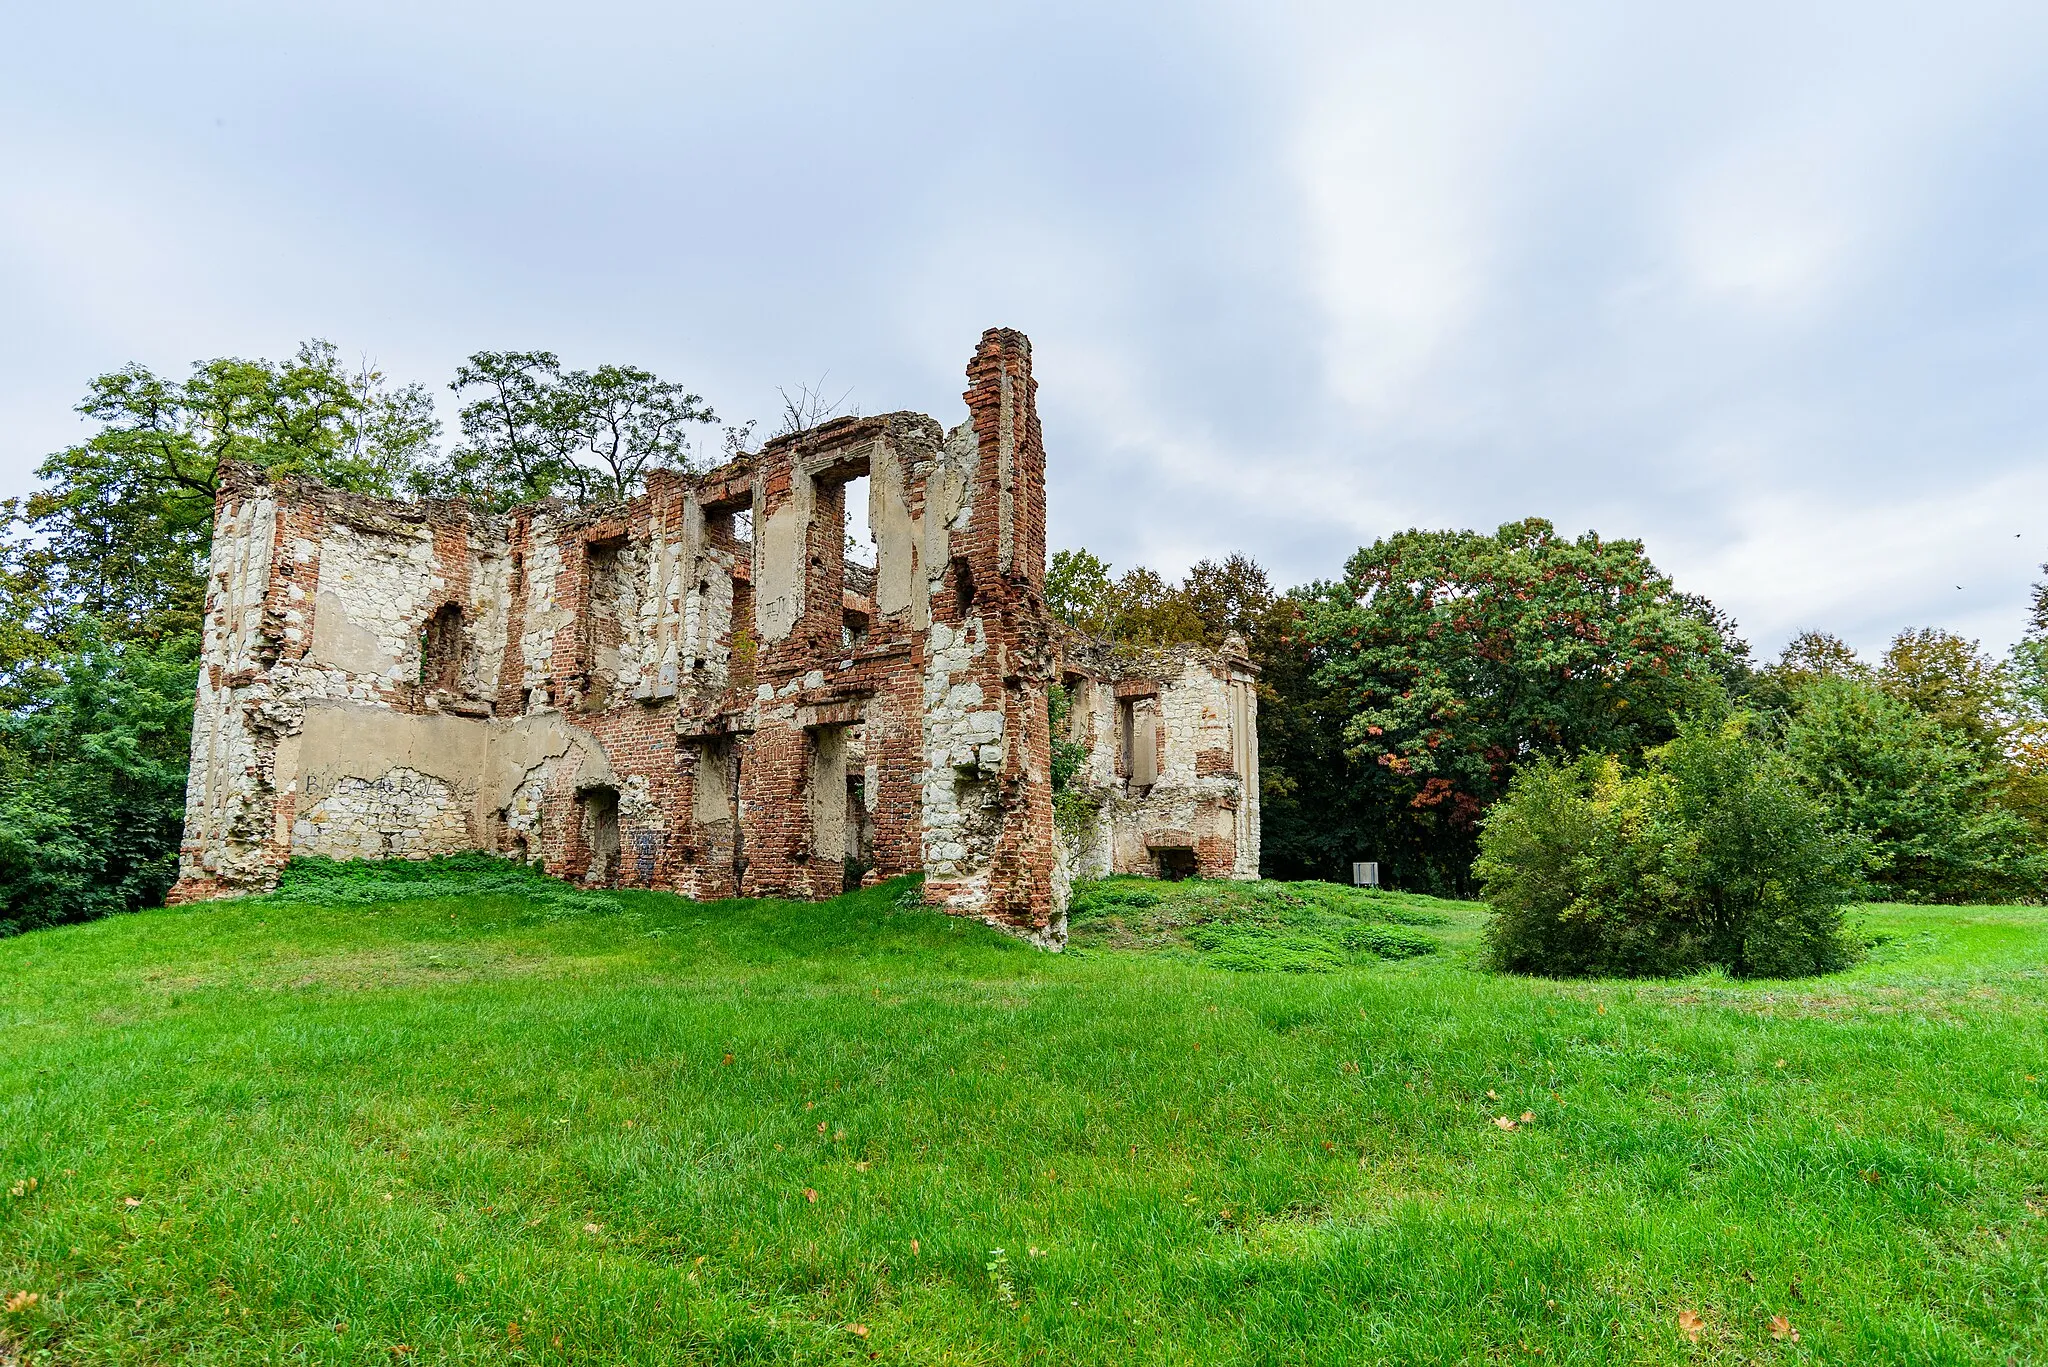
(1007, 540)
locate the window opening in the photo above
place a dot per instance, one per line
(860, 537)
(963, 585)
(441, 649)
(601, 829)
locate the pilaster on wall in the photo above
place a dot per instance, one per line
(988, 828)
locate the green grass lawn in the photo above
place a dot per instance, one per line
(501, 1127)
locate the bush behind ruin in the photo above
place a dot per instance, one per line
(1709, 855)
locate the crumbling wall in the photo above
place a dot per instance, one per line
(693, 690)
(1172, 765)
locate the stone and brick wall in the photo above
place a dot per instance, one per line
(1172, 768)
(640, 693)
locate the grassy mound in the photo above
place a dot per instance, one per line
(312, 880)
(1255, 927)
(432, 1115)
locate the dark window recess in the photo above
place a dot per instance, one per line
(441, 649)
(600, 811)
(963, 585)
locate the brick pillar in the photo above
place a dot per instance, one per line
(989, 840)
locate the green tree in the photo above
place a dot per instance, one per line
(1946, 679)
(1077, 590)
(92, 782)
(1926, 795)
(532, 430)
(1449, 659)
(120, 534)
(2027, 743)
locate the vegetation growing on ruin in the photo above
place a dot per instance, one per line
(478, 1127)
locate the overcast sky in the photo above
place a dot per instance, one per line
(1763, 285)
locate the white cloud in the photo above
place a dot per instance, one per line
(1761, 286)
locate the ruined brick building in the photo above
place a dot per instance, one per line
(698, 691)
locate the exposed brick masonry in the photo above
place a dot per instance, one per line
(644, 695)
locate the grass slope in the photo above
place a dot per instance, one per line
(503, 1126)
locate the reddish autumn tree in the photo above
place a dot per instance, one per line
(1453, 657)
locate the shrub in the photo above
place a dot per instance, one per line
(1710, 854)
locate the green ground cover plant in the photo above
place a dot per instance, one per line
(478, 1125)
(1307, 927)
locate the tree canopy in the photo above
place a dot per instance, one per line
(1446, 659)
(120, 531)
(532, 430)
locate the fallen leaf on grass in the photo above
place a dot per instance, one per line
(21, 1301)
(1690, 1324)
(1528, 1117)
(726, 1061)
(1781, 1328)
(859, 1331)
(1504, 1122)
(913, 1248)
(810, 1195)
(132, 1202)
(1492, 1095)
